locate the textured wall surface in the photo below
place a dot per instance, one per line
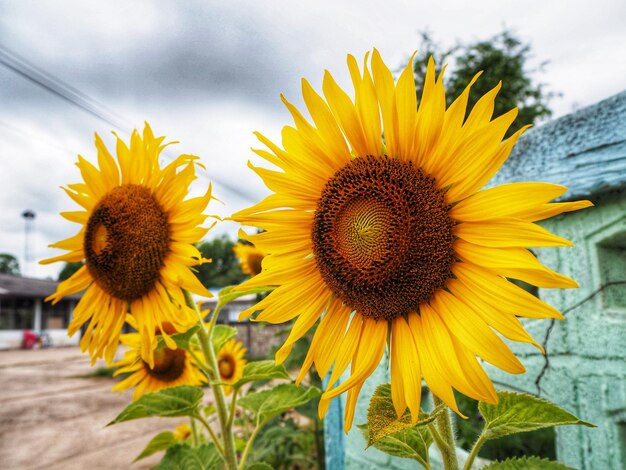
(585, 370)
(585, 151)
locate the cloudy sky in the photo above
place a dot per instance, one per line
(209, 73)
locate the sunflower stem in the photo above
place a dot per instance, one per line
(233, 402)
(230, 457)
(477, 445)
(436, 436)
(246, 451)
(446, 442)
(194, 432)
(214, 438)
(203, 365)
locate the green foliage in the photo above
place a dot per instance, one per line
(69, 269)
(269, 403)
(209, 410)
(259, 466)
(527, 463)
(540, 442)
(105, 372)
(175, 401)
(520, 412)
(224, 270)
(163, 440)
(184, 457)
(9, 264)
(182, 340)
(285, 444)
(382, 419)
(310, 409)
(222, 334)
(261, 370)
(503, 57)
(408, 443)
(397, 436)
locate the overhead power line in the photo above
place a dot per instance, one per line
(85, 103)
(57, 87)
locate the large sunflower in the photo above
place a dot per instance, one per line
(136, 237)
(172, 367)
(392, 236)
(230, 362)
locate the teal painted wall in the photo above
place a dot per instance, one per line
(585, 370)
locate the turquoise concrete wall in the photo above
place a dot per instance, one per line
(585, 370)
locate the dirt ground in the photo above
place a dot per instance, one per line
(53, 417)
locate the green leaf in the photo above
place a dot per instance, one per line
(184, 457)
(269, 403)
(222, 334)
(228, 293)
(161, 441)
(262, 370)
(527, 463)
(409, 443)
(520, 412)
(382, 419)
(175, 401)
(259, 466)
(209, 410)
(181, 339)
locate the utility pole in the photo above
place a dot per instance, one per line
(28, 216)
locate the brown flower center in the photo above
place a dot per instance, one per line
(255, 261)
(126, 240)
(169, 364)
(382, 237)
(227, 367)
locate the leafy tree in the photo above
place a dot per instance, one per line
(224, 270)
(503, 58)
(9, 264)
(69, 269)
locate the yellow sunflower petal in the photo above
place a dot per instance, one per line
(343, 109)
(516, 263)
(431, 363)
(472, 332)
(505, 200)
(408, 363)
(502, 294)
(508, 233)
(369, 353)
(385, 90)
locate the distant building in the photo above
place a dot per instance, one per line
(22, 307)
(258, 338)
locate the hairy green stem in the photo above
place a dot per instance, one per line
(194, 432)
(436, 437)
(230, 456)
(446, 444)
(477, 445)
(203, 365)
(233, 403)
(214, 438)
(246, 451)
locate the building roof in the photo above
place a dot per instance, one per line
(585, 151)
(17, 286)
